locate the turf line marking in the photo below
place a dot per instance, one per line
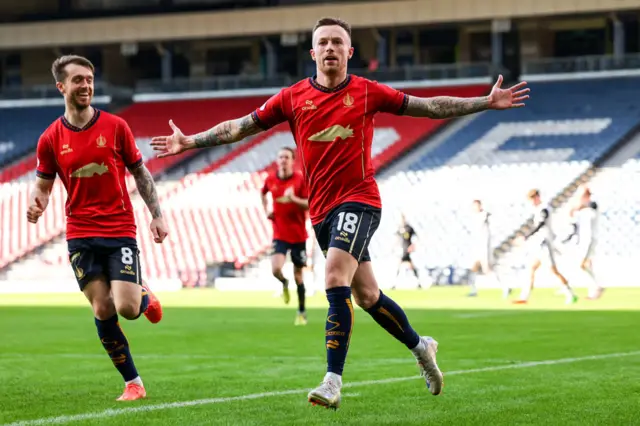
(181, 404)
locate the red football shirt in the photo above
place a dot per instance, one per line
(333, 129)
(91, 164)
(289, 220)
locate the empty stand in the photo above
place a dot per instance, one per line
(498, 157)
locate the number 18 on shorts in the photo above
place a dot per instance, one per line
(349, 227)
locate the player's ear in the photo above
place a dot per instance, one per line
(351, 50)
(313, 54)
(60, 86)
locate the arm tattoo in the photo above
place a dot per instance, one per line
(147, 189)
(227, 132)
(445, 106)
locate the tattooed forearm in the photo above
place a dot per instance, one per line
(227, 132)
(147, 189)
(445, 106)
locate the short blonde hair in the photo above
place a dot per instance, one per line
(533, 193)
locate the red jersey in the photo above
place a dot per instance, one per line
(91, 164)
(333, 129)
(289, 220)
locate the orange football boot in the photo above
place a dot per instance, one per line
(132, 392)
(154, 310)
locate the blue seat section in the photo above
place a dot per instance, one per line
(20, 129)
(615, 99)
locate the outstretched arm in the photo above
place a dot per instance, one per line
(224, 133)
(445, 106)
(441, 107)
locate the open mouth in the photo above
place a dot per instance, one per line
(331, 59)
(82, 96)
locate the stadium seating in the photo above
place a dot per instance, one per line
(216, 216)
(498, 157)
(145, 119)
(618, 247)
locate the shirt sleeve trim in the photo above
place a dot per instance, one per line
(405, 103)
(259, 122)
(135, 165)
(44, 175)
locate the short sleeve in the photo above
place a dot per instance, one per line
(130, 153)
(265, 187)
(271, 113)
(303, 191)
(46, 160)
(388, 99)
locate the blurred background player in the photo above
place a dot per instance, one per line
(327, 111)
(288, 216)
(89, 150)
(481, 248)
(585, 225)
(540, 240)
(406, 234)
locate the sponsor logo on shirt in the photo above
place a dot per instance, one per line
(309, 106)
(89, 170)
(65, 149)
(332, 133)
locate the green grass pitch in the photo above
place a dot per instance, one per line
(237, 359)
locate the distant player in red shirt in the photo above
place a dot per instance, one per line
(331, 118)
(89, 150)
(289, 216)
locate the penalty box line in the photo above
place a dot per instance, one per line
(181, 404)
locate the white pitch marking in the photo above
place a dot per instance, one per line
(208, 401)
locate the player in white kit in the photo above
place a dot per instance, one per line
(540, 243)
(585, 226)
(481, 256)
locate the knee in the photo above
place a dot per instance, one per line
(335, 279)
(276, 271)
(128, 309)
(103, 309)
(366, 297)
(297, 274)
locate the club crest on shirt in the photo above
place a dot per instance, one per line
(101, 141)
(348, 100)
(330, 134)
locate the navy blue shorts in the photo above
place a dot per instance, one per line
(298, 251)
(117, 259)
(349, 227)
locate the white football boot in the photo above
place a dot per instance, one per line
(425, 354)
(328, 393)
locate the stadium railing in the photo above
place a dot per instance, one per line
(582, 64)
(232, 82)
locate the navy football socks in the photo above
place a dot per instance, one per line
(301, 297)
(393, 319)
(338, 328)
(144, 303)
(117, 346)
